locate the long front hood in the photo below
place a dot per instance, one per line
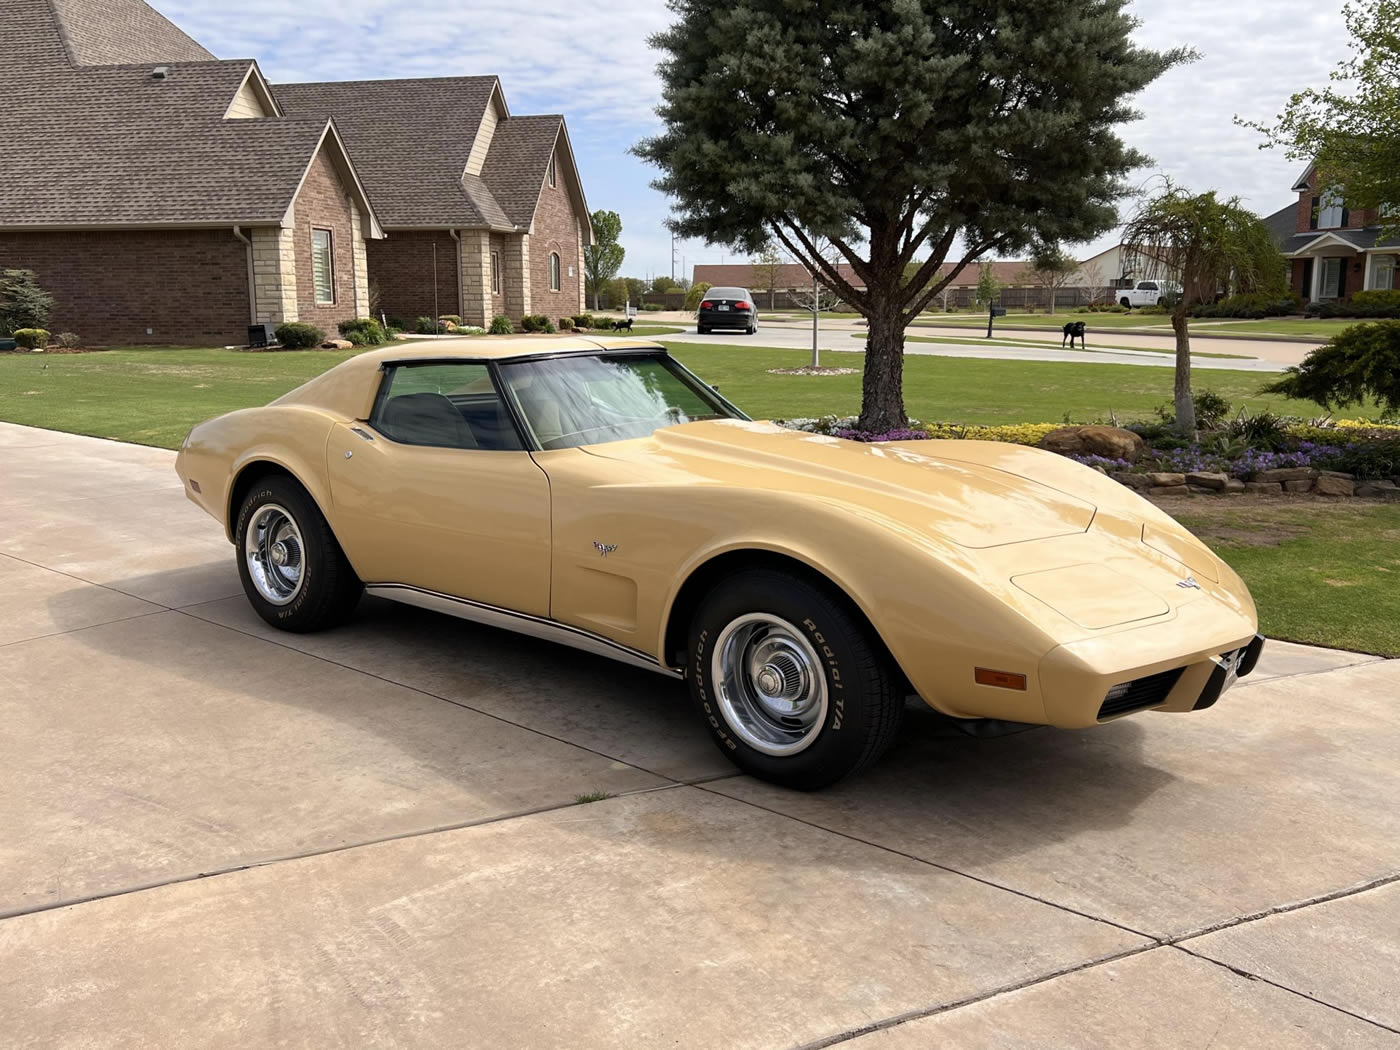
(969, 499)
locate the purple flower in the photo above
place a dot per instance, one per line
(1108, 463)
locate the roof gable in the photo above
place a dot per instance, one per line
(518, 163)
(122, 32)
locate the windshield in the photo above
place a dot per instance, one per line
(588, 400)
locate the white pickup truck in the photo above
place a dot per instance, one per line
(1149, 293)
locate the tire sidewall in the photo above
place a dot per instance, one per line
(842, 739)
(296, 503)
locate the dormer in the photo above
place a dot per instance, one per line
(494, 113)
(254, 99)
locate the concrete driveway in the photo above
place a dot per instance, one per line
(219, 836)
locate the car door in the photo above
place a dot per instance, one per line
(436, 491)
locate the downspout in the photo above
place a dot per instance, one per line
(252, 289)
(461, 310)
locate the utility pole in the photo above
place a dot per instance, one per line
(673, 255)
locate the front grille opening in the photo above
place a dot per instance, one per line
(1139, 693)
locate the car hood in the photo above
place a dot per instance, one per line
(977, 497)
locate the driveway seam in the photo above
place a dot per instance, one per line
(80, 579)
(85, 627)
(1251, 976)
(265, 862)
(1284, 909)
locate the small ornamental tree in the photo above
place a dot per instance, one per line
(1358, 363)
(767, 265)
(988, 287)
(662, 284)
(603, 258)
(1206, 246)
(896, 130)
(23, 304)
(1051, 270)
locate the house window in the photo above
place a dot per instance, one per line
(1331, 279)
(1383, 272)
(551, 171)
(495, 273)
(322, 266)
(554, 271)
(1330, 211)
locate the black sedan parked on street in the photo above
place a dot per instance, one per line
(727, 308)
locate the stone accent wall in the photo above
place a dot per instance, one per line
(171, 287)
(476, 277)
(556, 229)
(361, 261)
(324, 203)
(401, 266)
(274, 274)
(517, 276)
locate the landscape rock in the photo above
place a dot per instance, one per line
(1263, 486)
(1332, 485)
(1298, 485)
(1169, 490)
(1234, 485)
(337, 344)
(1162, 480)
(1335, 474)
(1111, 442)
(1207, 479)
(1133, 481)
(1282, 474)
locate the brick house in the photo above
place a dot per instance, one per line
(791, 279)
(484, 212)
(165, 196)
(1335, 252)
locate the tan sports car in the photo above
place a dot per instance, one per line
(804, 586)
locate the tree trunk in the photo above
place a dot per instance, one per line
(595, 297)
(882, 386)
(1051, 311)
(1185, 404)
(816, 316)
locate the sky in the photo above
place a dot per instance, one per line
(591, 62)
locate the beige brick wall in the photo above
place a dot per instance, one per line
(517, 276)
(475, 254)
(361, 262)
(274, 274)
(556, 230)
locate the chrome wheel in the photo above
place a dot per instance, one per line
(769, 683)
(275, 553)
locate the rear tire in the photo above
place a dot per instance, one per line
(294, 573)
(1125, 302)
(792, 686)
(701, 330)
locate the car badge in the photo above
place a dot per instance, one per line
(605, 548)
(1189, 583)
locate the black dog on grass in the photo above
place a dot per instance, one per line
(626, 326)
(1071, 330)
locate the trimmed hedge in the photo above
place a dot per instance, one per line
(363, 331)
(536, 323)
(297, 335)
(501, 325)
(1254, 307)
(31, 338)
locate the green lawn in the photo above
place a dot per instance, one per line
(965, 390)
(1041, 344)
(1324, 327)
(1320, 573)
(1224, 327)
(1043, 320)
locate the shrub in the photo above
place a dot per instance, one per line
(427, 326)
(68, 340)
(536, 323)
(1211, 408)
(1358, 362)
(692, 297)
(584, 321)
(296, 335)
(1253, 306)
(1371, 459)
(500, 325)
(362, 331)
(31, 338)
(23, 304)
(1378, 297)
(471, 329)
(450, 319)
(1380, 309)
(655, 308)
(565, 324)
(397, 323)
(1262, 431)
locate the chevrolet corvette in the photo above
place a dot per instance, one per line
(803, 586)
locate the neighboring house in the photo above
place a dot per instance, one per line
(165, 196)
(1334, 251)
(1115, 267)
(489, 204)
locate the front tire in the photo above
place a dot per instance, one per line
(792, 686)
(1125, 302)
(294, 573)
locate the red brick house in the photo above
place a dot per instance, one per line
(489, 204)
(1335, 252)
(165, 196)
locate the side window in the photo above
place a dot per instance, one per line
(554, 283)
(1147, 286)
(322, 266)
(496, 273)
(445, 406)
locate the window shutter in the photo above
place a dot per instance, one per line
(1346, 217)
(1312, 214)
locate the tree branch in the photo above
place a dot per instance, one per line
(927, 297)
(815, 263)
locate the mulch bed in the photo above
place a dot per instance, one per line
(59, 350)
(808, 370)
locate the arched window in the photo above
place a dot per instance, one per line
(553, 271)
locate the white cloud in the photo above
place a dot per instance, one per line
(591, 62)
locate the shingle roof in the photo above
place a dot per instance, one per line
(1360, 239)
(410, 140)
(517, 162)
(122, 32)
(1283, 223)
(114, 146)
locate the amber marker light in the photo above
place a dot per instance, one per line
(1000, 679)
